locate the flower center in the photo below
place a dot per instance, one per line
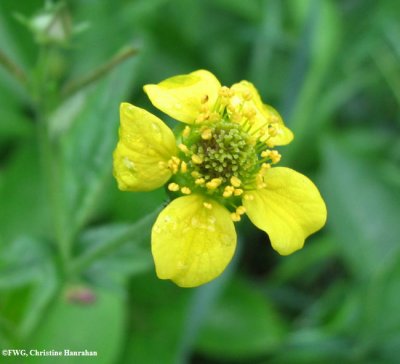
(226, 151)
(221, 155)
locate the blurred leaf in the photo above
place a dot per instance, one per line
(306, 262)
(158, 313)
(362, 211)
(243, 324)
(247, 9)
(78, 326)
(315, 56)
(22, 195)
(314, 346)
(26, 271)
(13, 125)
(21, 262)
(116, 250)
(89, 143)
(381, 319)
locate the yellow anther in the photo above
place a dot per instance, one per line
(199, 181)
(186, 131)
(206, 134)
(228, 191)
(275, 156)
(240, 210)
(195, 174)
(224, 91)
(265, 153)
(196, 159)
(236, 182)
(186, 190)
(204, 99)
(265, 166)
(238, 192)
(269, 143)
(173, 187)
(183, 167)
(272, 131)
(184, 148)
(214, 183)
(175, 160)
(235, 216)
(200, 118)
(247, 95)
(235, 104)
(173, 164)
(207, 205)
(248, 110)
(248, 197)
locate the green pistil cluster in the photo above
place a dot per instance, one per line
(228, 152)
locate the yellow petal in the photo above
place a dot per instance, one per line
(288, 209)
(192, 244)
(284, 134)
(181, 96)
(264, 114)
(145, 145)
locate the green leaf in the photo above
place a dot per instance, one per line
(95, 325)
(243, 324)
(117, 242)
(362, 211)
(28, 282)
(158, 313)
(88, 144)
(22, 195)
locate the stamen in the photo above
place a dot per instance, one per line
(235, 216)
(183, 167)
(214, 183)
(184, 148)
(236, 182)
(228, 191)
(238, 192)
(275, 156)
(240, 210)
(186, 190)
(173, 187)
(206, 134)
(186, 131)
(197, 159)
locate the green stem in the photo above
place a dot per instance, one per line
(49, 155)
(13, 69)
(73, 86)
(138, 230)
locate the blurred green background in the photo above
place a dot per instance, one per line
(75, 265)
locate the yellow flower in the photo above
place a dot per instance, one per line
(219, 167)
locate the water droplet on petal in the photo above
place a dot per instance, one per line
(156, 132)
(129, 164)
